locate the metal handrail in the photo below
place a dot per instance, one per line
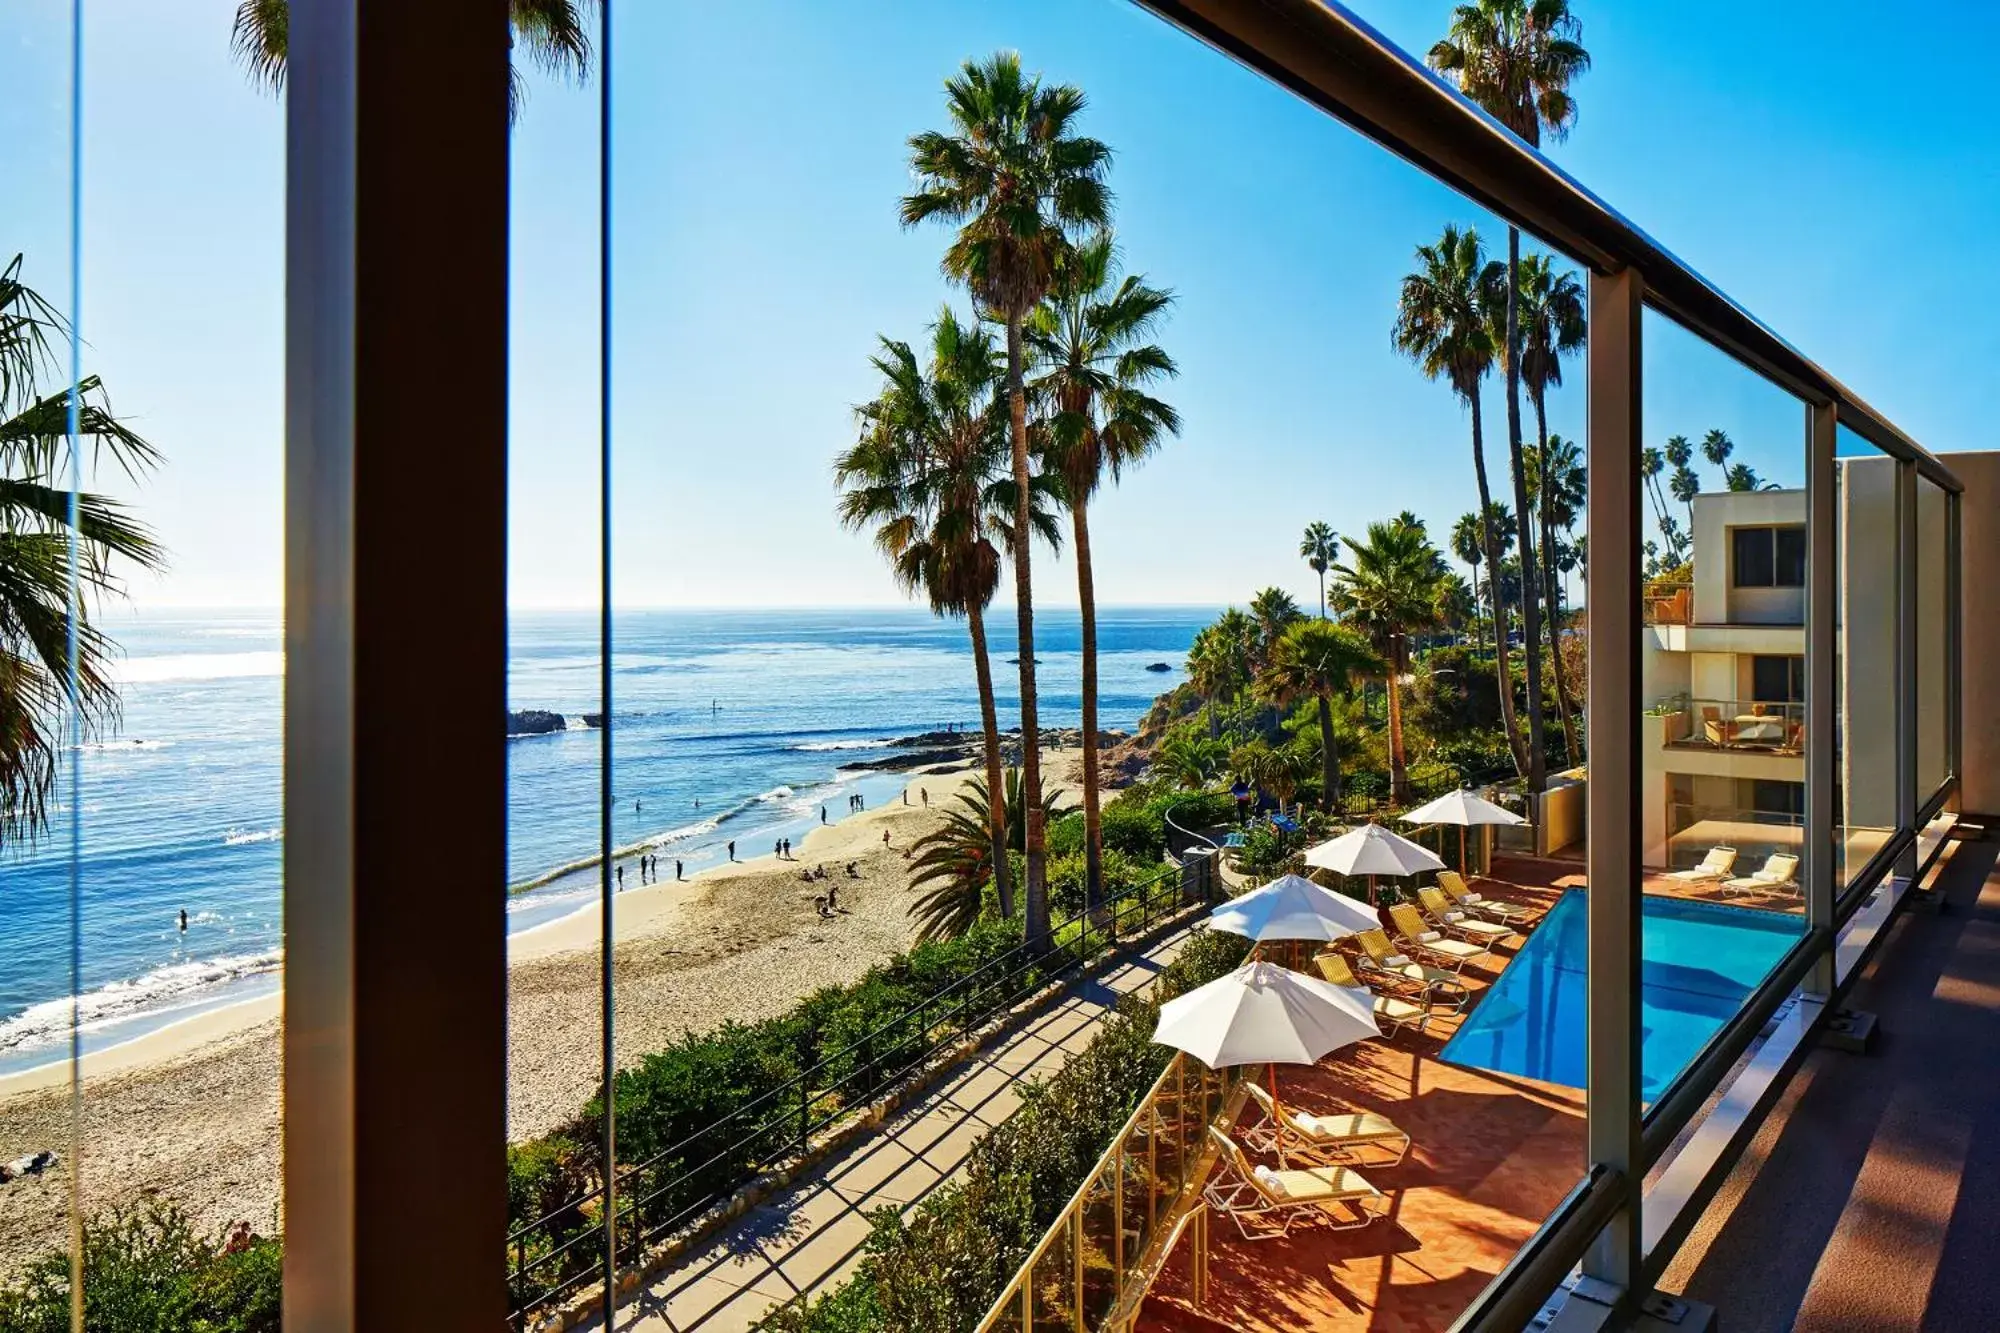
(1332, 58)
(1516, 1293)
(1019, 972)
(1018, 1297)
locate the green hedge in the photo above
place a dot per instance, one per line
(147, 1270)
(942, 1270)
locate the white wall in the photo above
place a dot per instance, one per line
(1715, 601)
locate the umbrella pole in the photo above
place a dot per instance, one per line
(1461, 851)
(1277, 1115)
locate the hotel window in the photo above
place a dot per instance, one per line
(1769, 557)
(1771, 797)
(1778, 680)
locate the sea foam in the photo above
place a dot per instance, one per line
(49, 1021)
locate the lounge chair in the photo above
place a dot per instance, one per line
(1417, 937)
(1356, 1139)
(1454, 922)
(1716, 865)
(1264, 1203)
(1383, 969)
(1507, 914)
(1392, 1011)
(1775, 876)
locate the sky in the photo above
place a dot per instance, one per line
(758, 155)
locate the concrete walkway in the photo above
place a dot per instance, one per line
(807, 1240)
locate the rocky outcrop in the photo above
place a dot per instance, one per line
(1159, 666)
(957, 747)
(534, 722)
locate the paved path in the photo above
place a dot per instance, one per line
(808, 1239)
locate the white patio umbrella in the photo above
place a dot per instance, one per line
(1464, 809)
(1372, 850)
(1263, 1014)
(1293, 908)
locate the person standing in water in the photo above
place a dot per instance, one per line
(184, 921)
(621, 879)
(677, 871)
(822, 814)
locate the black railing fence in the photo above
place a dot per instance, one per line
(561, 1252)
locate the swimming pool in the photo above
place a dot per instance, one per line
(1700, 961)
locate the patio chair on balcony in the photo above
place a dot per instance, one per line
(1778, 874)
(1454, 922)
(1265, 1203)
(1391, 1011)
(1357, 1139)
(1415, 935)
(1715, 866)
(1714, 730)
(1478, 904)
(1383, 969)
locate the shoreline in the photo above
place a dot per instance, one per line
(190, 1112)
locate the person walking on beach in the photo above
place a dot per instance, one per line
(885, 837)
(822, 814)
(677, 871)
(925, 792)
(621, 879)
(732, 849)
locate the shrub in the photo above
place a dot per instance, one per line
(1132, 829)
(943, 1268)
(146, 1270)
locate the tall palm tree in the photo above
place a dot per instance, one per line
(1550, 309)
(1020, 185)
(54, 662)
(1555, 468)
(1320, 659)
(1318, 548)
(1388, 589)
(1442, 325)
(1716, 446)
(1517, 59)
(1683, 484)
(1090, 339)
(1274, 611)
(554, 33)
(929, 475)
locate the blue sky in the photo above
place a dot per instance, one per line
(1778, 148)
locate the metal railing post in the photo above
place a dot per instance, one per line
(1612, 721)
(1906, 663)
(1822, 610)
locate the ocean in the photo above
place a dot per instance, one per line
(731, 725)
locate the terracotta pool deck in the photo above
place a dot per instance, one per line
(1492, 1156)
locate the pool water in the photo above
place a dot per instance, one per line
(1699, 962)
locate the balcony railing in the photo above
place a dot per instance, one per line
(1737, 724)
(1110, 1240)
(1669, 601)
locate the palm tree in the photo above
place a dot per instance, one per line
(1190, 760)
(1318, 548)
(1019, 184)
(1090, 342)
(1217, 667)
(1716, 446)
(1556, 469)
(929, 474)
(952, 864)
(1320, 659)
(1743, 477)
(553, 31)
(1441, 325)
(54, 663)
(1388, 590)
(1683, 484)
(1466, 546)
(1274, 610)
(1517, 59)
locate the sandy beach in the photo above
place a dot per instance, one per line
(191, 1113)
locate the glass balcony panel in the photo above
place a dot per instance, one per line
(1933, 702)
(1867, 686)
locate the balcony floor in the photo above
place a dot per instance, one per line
(1866, 1200)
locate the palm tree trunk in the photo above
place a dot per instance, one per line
(1502, 670)
(996, 794)
(1086, 598)
(1549, 590)
(1037, 898)
(1329, 758)
(1531, 612)
(1322, 594)
(1399, 768)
